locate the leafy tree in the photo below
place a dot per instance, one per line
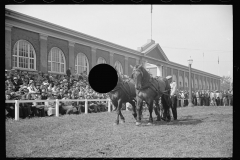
(225, 83)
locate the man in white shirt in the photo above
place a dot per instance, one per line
(173, 96)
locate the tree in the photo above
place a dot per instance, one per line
(225, 83)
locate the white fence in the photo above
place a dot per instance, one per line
(57, 104)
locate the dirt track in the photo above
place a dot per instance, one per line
(199, 132)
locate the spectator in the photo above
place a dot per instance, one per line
(220, 98)
(69, 72)
(44, 85)
(10, 108)
(16, 84)
(32, 88)
(24, 109)
(217, 98)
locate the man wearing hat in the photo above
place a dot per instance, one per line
(16, 84)
(173, 96)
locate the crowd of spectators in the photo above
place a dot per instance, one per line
(206, 98)
(27, 85)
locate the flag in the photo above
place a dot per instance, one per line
(218, 59)
(151, 8)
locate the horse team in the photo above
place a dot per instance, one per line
(139, 88)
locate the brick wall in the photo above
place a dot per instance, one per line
(103, 54)
(85, 50)
(61, 44)
(31, 37)
(121, 59)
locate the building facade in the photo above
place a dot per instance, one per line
(32, 44)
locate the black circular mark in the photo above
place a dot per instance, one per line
(103, 78)
(78, 1)
(19, 1)
(48, 1)
(107, 1)
(137, 1)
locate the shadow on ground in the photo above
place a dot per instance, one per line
(186, 120)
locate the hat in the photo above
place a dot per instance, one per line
(168, 77)
(14, 78)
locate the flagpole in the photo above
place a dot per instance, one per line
(218, 65)
(151, 21)
(203, 63)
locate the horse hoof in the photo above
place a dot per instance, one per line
(159, 119)
(115, 123)
(149, 124)
(138, 123)
(122, 121)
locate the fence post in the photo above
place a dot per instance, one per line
(57, 108)
(86, 106)
(109, 105)
(16, 110)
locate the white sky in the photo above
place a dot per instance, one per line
(179, 29)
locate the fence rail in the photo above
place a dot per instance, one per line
(57, 104)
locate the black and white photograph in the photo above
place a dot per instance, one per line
(119, 81)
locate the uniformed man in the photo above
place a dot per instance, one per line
(173, 96)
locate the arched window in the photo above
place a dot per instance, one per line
(24, 55)
(207, 85)
(118, 66)
(81, 63)
(56, 61)
(101, 61)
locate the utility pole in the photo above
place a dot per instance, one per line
(151, 21)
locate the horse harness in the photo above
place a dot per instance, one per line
(122, 85)
(151, 85)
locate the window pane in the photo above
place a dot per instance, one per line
(62, 68)
(49, 66)
(31, 52)
(58, 67)
(62, 60)
(57, 57)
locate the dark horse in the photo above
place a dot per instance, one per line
(150, 89)
(122, 93)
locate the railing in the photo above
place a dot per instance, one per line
(57, 104)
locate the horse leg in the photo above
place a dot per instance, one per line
(164, 108)
(157, 110)
(134, 113)
(118, 110)
(122, 119)
(167, 105)
(150, 108)
(138, 108)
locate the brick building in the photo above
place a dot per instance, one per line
(32, 44)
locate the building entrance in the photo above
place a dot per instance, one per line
(154, 69)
